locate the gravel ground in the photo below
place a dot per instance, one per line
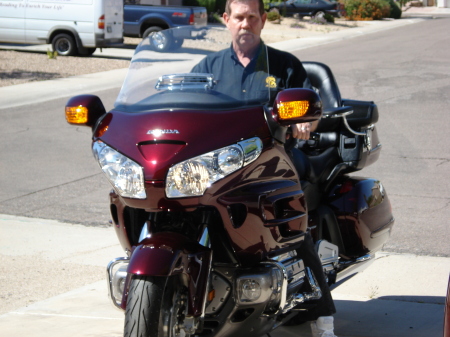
(18, 67)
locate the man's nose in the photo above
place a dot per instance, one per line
(245, 23)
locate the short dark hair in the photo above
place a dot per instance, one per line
(260, 2)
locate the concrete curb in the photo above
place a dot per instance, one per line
(399, 295)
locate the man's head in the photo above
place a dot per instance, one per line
(228, 9)
(245, 19)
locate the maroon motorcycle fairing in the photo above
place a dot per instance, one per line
(267, 191)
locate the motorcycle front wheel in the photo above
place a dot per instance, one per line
(156, 307)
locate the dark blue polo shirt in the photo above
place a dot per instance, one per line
(256, 81)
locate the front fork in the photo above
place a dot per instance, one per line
(164, 254)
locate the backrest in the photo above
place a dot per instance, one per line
(323, 80)
(324, 83)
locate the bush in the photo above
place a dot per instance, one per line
(396, 12)
(367, 9)
(273, 15)
(329, 18)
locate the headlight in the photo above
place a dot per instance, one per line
(192, 177)
(126, 176)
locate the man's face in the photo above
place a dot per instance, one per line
(245, 24)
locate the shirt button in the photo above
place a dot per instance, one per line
(243, 90)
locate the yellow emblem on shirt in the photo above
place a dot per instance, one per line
(271, 82)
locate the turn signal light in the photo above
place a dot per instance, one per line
(76, 114)
(294, 109)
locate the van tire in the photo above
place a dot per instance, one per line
(87, 51)
(64, 45)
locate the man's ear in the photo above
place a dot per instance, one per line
(225, 17)
(264, 18)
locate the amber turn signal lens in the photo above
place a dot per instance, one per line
(294, 109)
(76, 114)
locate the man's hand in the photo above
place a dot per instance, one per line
(301, 131)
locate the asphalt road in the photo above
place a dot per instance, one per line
(47, 169)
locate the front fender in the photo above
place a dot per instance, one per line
(166, 254)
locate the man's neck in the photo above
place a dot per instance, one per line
(245, 56)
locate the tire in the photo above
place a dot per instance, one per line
(64, 45)
(177, 44)
(87, 51)
(159, 40)
(155, 307)
(319, 15)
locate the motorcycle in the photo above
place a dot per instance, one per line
(208, 204)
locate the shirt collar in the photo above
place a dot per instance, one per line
(235, 58)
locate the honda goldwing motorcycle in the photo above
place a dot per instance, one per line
(208, 204)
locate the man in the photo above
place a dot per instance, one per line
(245, 20)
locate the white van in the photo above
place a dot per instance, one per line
(71, 26)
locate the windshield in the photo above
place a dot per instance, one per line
(193, 68)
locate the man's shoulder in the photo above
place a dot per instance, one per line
(283, 55)
(218, 54)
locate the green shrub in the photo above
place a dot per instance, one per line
(396, 11)
(367, 9)
(329, 18)
(273, 15)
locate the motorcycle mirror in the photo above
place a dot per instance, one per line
(293, 106)
(84, 110)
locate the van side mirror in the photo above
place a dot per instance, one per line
(84, 110)
(293, 106)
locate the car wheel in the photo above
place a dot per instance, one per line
(319, 15)
(160, 40)
(64, 45)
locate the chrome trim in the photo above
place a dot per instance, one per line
(193, 81)
(284, 285)
(349, 268)
(305, 297)
(109, 278)
(252, 148)
(377, 147)
(360, 259)
(208, 284)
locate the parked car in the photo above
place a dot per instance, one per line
(71, 26)
(142, 19)
(313, 8)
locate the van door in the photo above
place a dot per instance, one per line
(113, 19)
(12, 21)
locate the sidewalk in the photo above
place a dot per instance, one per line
(397, 295)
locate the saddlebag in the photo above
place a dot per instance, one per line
(365, 215)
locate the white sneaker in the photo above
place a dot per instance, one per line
(323, 327)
